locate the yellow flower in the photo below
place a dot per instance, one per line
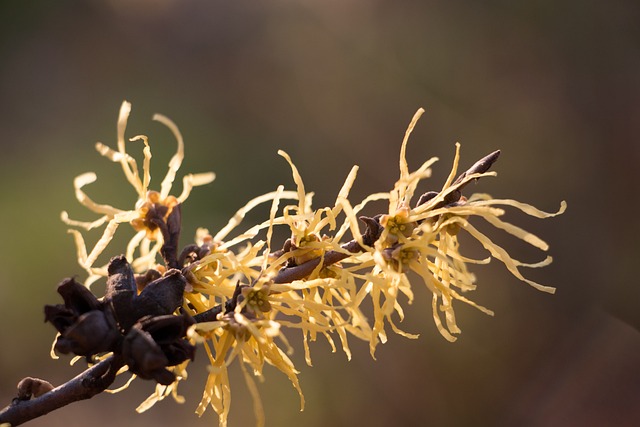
(151, 208)
(320, 303)
(150, 203)
(484, 206)
(252, 343)
(257, 300)
(424, 239)
(308, 227)
(324, 300)
(398, 225)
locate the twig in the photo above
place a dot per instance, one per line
(84, 386)
(297, 272)
(170, 230)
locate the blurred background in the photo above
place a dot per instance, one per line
(554, 85)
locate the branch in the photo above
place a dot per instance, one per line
(297, 272)
(37, 397)
(93, 381)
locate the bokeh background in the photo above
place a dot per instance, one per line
(555, 85)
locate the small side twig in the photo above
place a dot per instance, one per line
(481, 166)
(93, 381)
(170, 230)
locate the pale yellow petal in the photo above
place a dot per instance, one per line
(101, 245)
(404, 167)
(528, 209)
(258, 409)
(272, 216)
(499, 253)
(128, 164)
(240, 214)
(454, 168)
(436, 318)
(176, 160)
(146, 165)
(64, 216)
(302, 207)
(194, 180)
(52, 353)
(520, 233)
(81, 248)
(134, 243)
(126, 385)
(87, 178)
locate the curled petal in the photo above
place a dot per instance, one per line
(79, 183)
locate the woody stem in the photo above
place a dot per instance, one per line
(92, 381)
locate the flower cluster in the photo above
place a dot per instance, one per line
(151, 210)
(235, 292)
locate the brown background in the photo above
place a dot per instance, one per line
(553, 84)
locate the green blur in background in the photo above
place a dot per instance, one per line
(554, 85)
